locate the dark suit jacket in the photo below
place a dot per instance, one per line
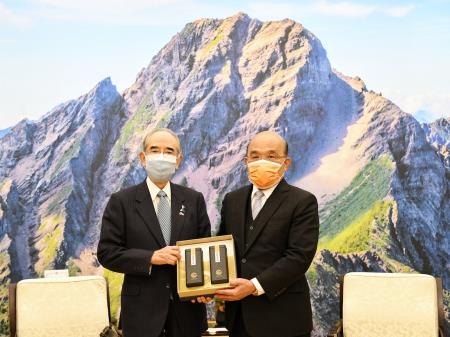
(278, 252)
(130, 234)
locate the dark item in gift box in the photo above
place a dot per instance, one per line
(219, 264)
(194, 268)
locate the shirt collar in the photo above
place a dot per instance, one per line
(267, 192)
(153, 189)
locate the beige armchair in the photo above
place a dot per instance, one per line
(59, 307)
(390, 305)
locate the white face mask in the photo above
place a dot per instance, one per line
(160, 167)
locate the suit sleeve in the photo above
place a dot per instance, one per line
(112, 252)
(204, 225)
(301, 248)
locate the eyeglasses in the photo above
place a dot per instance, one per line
(167, 152)
(155, 149)
(269, 157)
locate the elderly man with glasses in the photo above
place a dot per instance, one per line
(140, 227)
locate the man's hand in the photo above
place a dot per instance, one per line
(241, 288)
(202, 299)
(167, 255)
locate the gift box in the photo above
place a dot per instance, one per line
(206, 264)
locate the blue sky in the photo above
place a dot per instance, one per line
(55, 50)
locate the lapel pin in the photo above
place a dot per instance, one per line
(182, 210)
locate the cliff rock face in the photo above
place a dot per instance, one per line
(48, 172)
(438, 135)
(382, 179)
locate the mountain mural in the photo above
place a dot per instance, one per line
(381, 177)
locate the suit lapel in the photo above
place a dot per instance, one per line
(240, 211)
(178, 211)
(269, 208)
(147, 212)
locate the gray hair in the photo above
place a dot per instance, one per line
(152, 132)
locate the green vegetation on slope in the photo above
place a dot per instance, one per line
(135, 124)
(4, 271)
(68, 154)
(115, 281)
(50, 232)
(55, 204)
(364, 233)
(370, 185)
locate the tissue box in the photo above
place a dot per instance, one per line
(206, 264)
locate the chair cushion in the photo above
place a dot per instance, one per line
(62, 307)
(385, 304)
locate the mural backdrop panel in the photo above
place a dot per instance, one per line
(382, 178)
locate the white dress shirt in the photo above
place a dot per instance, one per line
(267, 193)
(154, 190)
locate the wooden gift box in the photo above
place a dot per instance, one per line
(188, 292)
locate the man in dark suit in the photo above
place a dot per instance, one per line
(139, 229)
(275, 227)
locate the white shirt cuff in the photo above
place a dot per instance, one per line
(150, 269)
(259, 289)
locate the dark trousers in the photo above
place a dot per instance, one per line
(239, 329)
(172, 327)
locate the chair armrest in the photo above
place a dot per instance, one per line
(336, 331)
(12, 309)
